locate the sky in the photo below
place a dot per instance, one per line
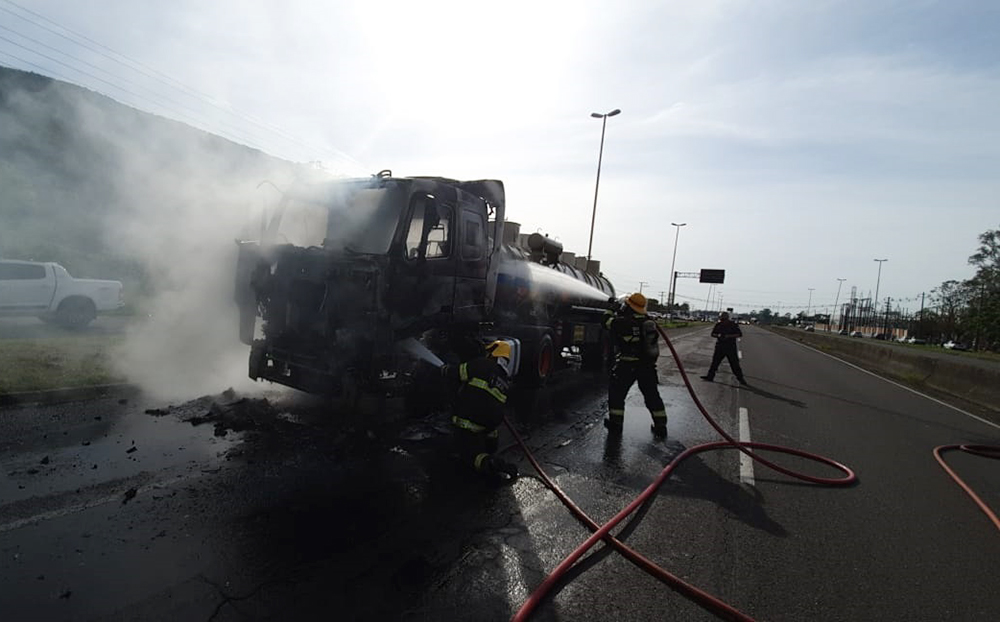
(796, 141)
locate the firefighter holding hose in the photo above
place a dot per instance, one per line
(478, 413)
(636, 350)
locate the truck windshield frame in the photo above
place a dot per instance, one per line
(342, 216)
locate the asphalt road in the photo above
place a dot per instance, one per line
(292, 509)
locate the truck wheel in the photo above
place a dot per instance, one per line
(76, 312)
(544, 358)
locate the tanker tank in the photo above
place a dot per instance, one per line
(534, 292)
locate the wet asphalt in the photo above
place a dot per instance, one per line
(280, 506)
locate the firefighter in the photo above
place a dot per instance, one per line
(636, 350)
(479, 406)
(726, 332)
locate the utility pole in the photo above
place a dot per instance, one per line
(641, 283)
(979, 320)
(809, 306)
(920, 323)
(877, 283)
(673, 285)
(840, 282)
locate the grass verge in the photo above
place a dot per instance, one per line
(56, 363)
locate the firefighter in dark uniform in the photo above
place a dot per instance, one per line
(726, 332)
(636, 350)
(478, 412)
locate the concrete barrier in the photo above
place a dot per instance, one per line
(974, 381)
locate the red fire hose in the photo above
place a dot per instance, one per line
(696, 595)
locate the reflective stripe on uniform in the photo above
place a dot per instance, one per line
(465, 424)
(660, 414)
(463, 372)
(628, 358)
(616, 412)
(478, 462)
(479, 383)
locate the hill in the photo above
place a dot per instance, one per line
(113, 192)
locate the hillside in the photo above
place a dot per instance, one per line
(110, 191)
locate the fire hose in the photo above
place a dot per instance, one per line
(698, 596)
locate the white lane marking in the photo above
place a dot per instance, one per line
(93, 503)
(901, 386)
(746, 463)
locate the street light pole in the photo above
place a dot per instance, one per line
(673, 277)
(810, 304)
(840, 282)
(877, 283)
(600, 156)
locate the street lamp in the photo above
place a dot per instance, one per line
(600, 156)
(673, 277)
(840, 282)
(810, 304)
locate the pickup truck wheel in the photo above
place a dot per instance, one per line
(76, 312)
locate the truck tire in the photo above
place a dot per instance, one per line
(543, 361)
(76, 312)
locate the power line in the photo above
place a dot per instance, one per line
(115, 86)
(156, 75)
(159, 98)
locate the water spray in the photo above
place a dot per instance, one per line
(419, 351)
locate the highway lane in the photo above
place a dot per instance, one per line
(905, 543)
(309, 516)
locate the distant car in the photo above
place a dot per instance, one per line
(916, 341)
(857, 333)
(843, 331)
(881, 337)
(810, 328)
(955, 345)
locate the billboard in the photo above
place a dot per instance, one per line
(712, 276)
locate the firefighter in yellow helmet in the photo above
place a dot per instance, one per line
(478, 413)
(635, 339)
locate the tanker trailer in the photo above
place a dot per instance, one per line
(345, 271)
(553, 308)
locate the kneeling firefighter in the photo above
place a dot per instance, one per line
(479, 408)
(636, 350)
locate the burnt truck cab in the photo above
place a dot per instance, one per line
(344, 272)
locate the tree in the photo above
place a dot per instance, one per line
(984, 308)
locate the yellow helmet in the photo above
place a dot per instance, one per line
(499, 349)
(638, 302)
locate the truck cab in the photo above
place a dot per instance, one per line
(343, 271)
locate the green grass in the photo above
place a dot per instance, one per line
(60, 362)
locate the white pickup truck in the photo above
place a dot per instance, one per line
(47, 291)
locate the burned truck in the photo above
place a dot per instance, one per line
(344, 272)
